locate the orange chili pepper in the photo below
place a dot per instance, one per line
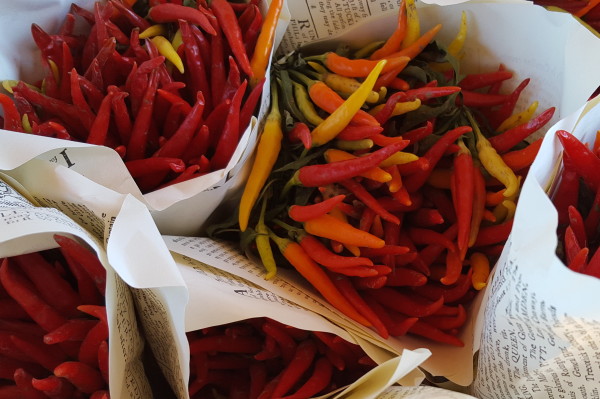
(312, 272)
(414, 49)
(357, 68)
(327, 226)
(394, 42)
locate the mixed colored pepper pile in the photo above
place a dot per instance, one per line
(267, 359)
(388, 178)
(577, 200)
(53, 324)
(170, 87)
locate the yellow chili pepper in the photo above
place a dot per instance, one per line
(505, 210)
(26, 124)
(377, 174)
(493, 162)
(340, 118)
(399, 158)
(9, 84)
(262, 49)
(166, 49)
(305, 105)
(177, 40)
(481, 270)
(519, 118)
(457, 44)
(354, 145)
(399, 108)
(154, 30)
(55, 71)
(263, 244)
(267, 151)
(413, 27)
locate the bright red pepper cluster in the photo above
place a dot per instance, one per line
(109, 87)
(268, 359)
(53, 325)
(577, 200)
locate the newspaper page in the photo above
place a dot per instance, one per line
(541, 326)
(26, 229)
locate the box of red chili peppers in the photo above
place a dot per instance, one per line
(164, 97)
(80, 309)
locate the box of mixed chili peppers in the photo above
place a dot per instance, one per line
(401, 160)
(167, 98)
(68, 316)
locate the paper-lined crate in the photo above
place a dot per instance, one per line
(181, 208)
(493, 29)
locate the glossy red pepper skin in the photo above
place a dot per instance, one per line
(323, 174)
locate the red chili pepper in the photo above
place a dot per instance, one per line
(496, 117)
(404, 303)
(592, 220)
(396, 323)
(593, 266)
(197, 69)
(507, 140)
(218, 75)
(120, 114)
(475, 81)
(99, 128)
(53, 387)
(403, 277)
(138, 141)
(85, 378)
(567, 192)
(433, 155)
(435, 334)
(249, 105)
(577, 224)
(583, 160)
(88, 351)
(303, 358)
(363, 195)
(475, 99)
(72, 330)
(169, 12)
(302, 213)
(228, 21)
(493, 234)
(300, 133)
(318, 381)
(21, 291)
(359, 132)
(324, 174)
(84, 257)
(579, 261)
(50, 285)
(419, 133)
(571, 244)
(463, 190)
(426, 217)
(230, 135)
(284, 341)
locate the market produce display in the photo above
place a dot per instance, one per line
(267, 359)
(53, 324)
(388, 178)
(577, 200)
(170, 87)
